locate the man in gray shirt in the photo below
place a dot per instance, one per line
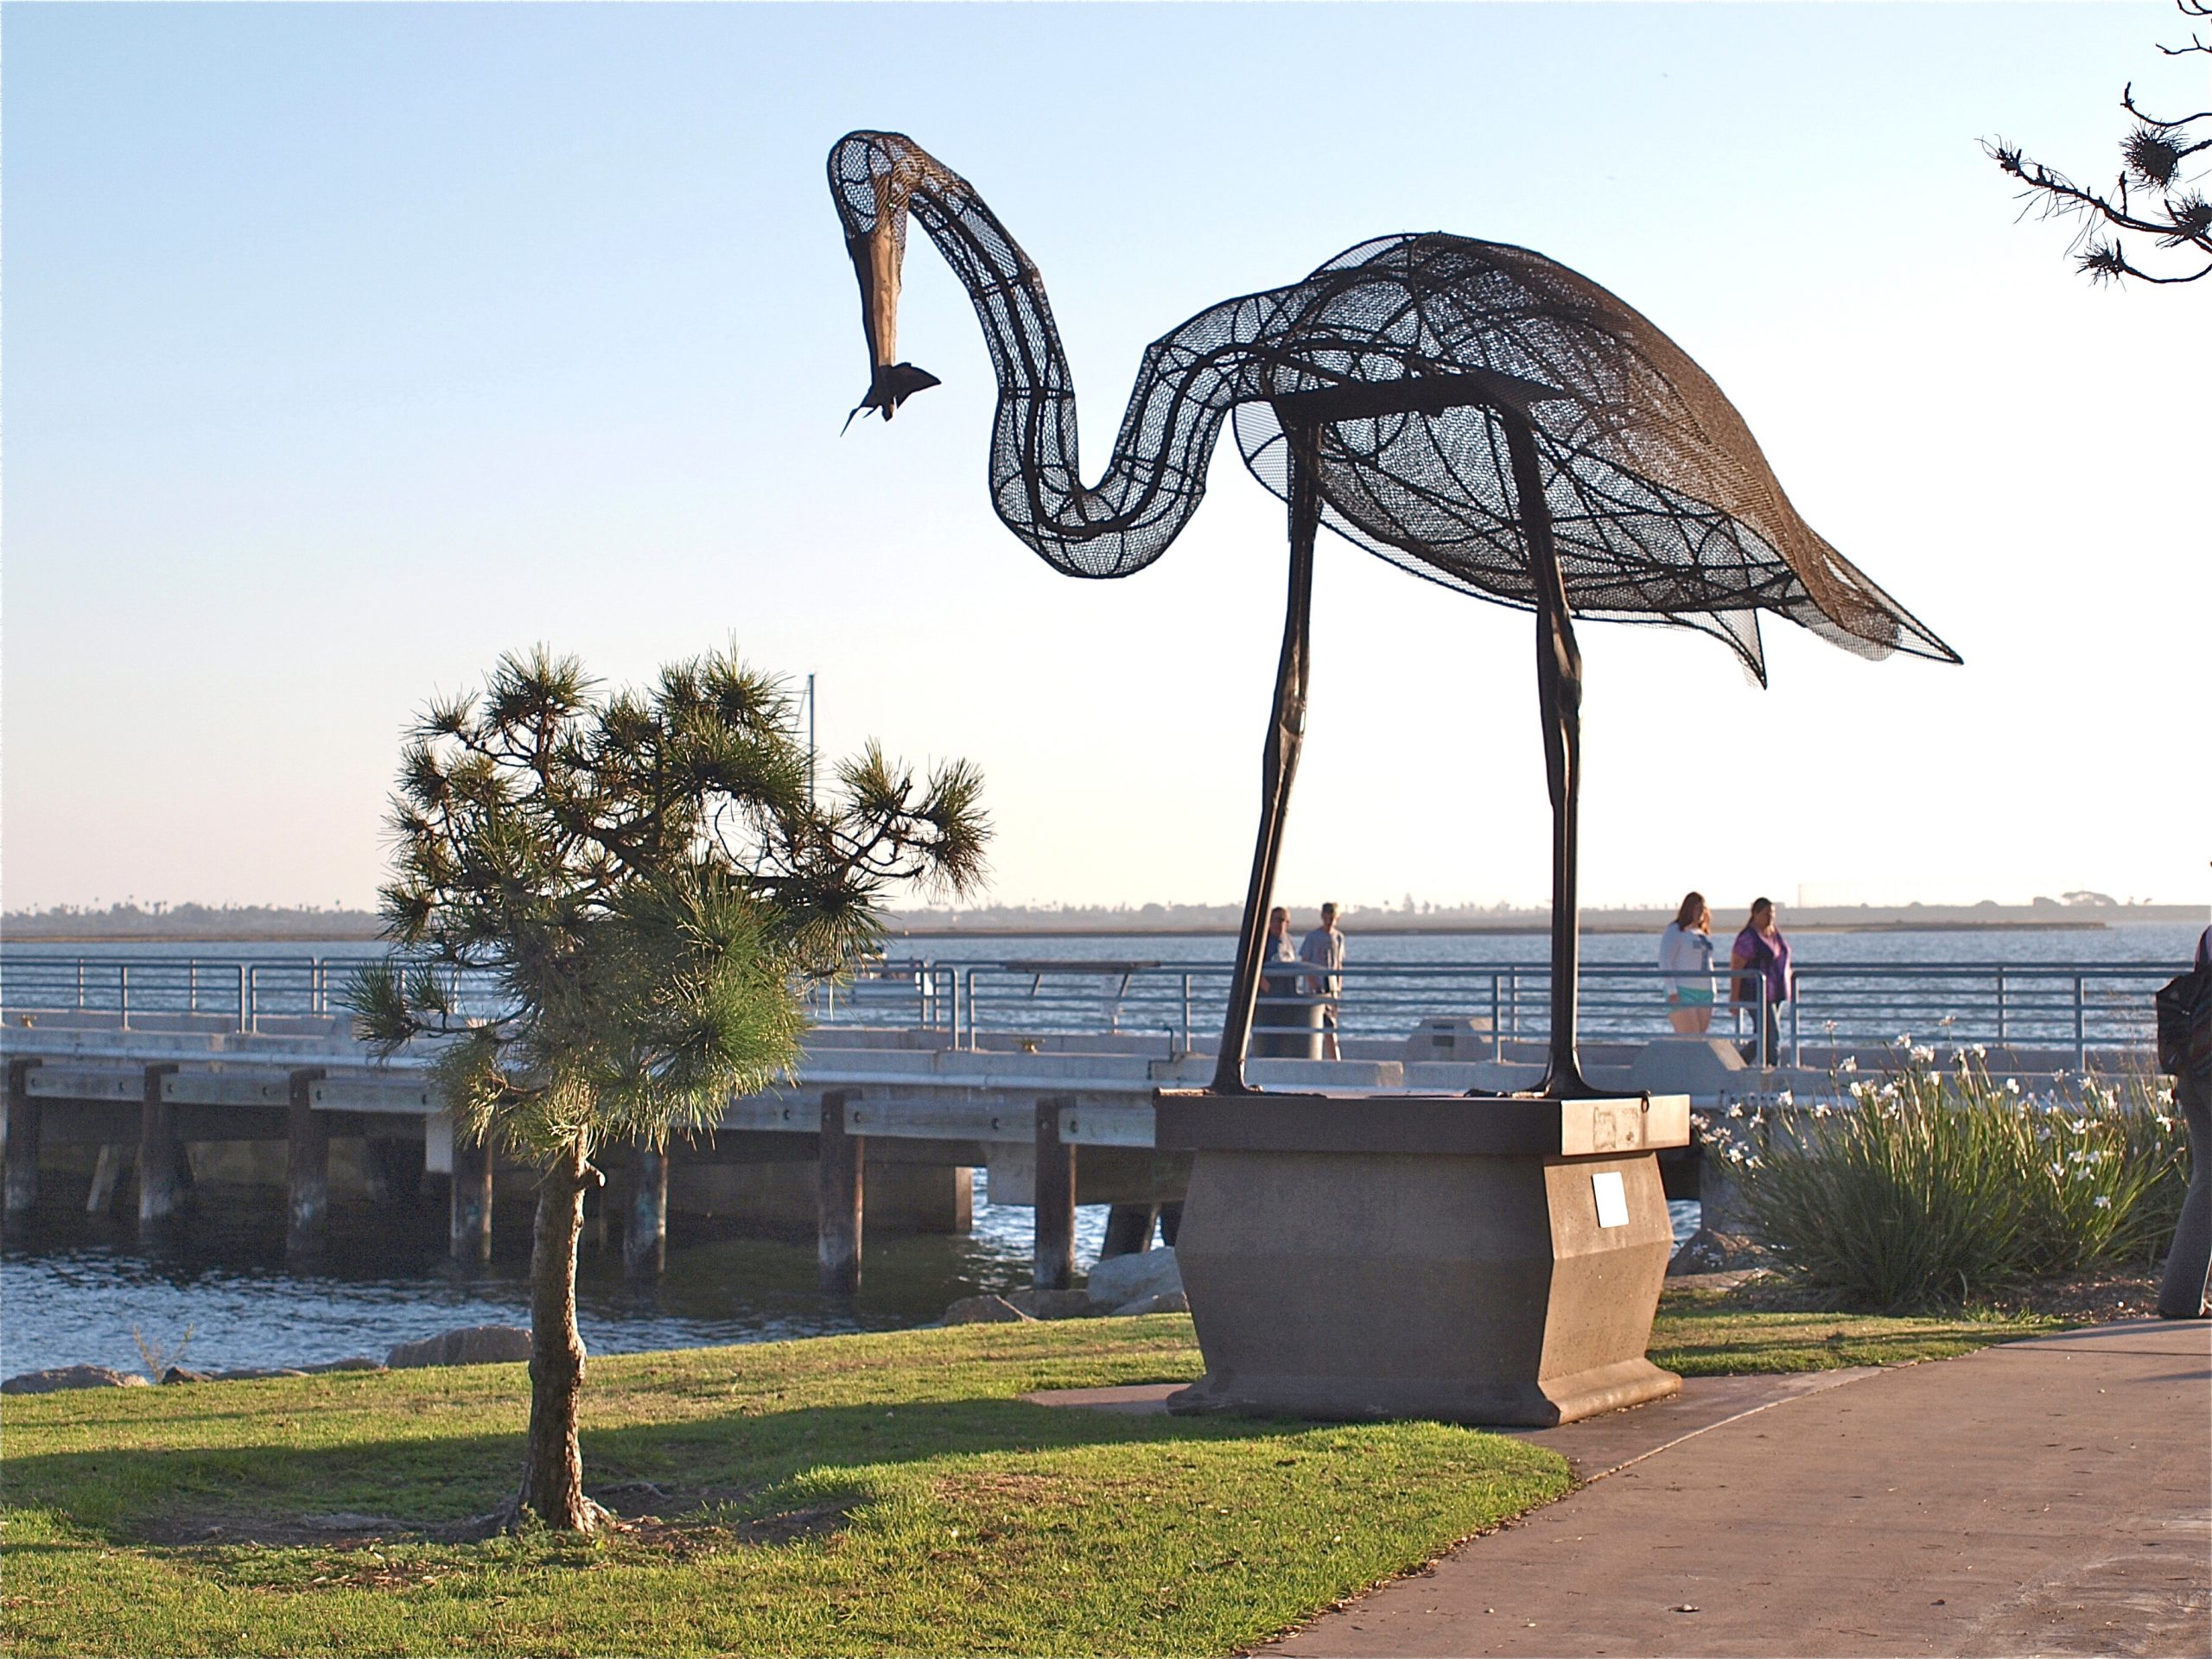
(1324, 947)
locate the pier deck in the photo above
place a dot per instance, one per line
(143, 1069)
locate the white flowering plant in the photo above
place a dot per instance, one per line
(1933, 1187)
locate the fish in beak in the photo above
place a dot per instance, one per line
(876, 254)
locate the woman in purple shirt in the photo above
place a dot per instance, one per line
(1760, 949)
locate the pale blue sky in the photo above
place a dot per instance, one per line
(347, 347)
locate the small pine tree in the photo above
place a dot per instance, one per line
(606, 910)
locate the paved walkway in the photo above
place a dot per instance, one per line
(2048, 1497)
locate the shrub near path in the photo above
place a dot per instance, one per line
(1936, 1188)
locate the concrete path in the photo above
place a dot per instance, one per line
(2048, 1497)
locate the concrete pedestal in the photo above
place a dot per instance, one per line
(1474, 1261)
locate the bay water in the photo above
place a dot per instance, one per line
(80, 1289)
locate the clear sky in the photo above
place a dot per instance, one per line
(347, 347)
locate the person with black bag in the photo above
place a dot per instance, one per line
(2185, 1053)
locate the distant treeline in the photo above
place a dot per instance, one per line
(190, 922)
(303, 922)
(1506, 919)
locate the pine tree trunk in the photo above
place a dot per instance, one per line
(552, 1471)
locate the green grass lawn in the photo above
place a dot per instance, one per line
(1708, 1333)
(864, 1495)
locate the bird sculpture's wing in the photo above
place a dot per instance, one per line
(1662, 507)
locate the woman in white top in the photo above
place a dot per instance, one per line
(1686, 956)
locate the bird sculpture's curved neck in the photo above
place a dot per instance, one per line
(1156, 477)
(1394, 376)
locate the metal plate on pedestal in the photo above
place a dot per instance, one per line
(1200, 1119)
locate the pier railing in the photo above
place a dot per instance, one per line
(2081, 1006)
(2078, 1006)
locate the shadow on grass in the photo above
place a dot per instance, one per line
(766, 1477)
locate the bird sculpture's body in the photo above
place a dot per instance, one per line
(1471, 411)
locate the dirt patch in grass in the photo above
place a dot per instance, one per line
(2092, 1298)
(2088, 1298)
(674, 1520)
(685, 1539)
(639, 1500)
(1001, 1483)
(227, 1530)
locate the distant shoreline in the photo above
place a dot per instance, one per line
(245, 927)
(1399, 930)
(1351, 925)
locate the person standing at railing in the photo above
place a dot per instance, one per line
(1760, 958)
(1324, 947)
(1275, 949)
(2185, 1053)
(1278, 981)
(1686, 956)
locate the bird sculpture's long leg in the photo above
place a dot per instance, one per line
(1558, 689)
(1279, 762)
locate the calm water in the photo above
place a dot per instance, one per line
(2144, 941)
(1865, 983)
(2156, 941)
(76, 1290)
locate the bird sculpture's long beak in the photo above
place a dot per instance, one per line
(875, 256)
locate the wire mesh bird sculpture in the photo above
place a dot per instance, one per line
(1474, 412)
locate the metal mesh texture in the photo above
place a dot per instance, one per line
(1663, 508)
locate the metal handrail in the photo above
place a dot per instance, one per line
(2077, 1006)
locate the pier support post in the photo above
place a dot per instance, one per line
(163, 1174)
(26, 1125)
(470, 1219)
(1055, 1265)
(840, 1197)
(1129, 1229)
(307, 1164)
(645, 1240)
(107, 1175)
(391, 1170)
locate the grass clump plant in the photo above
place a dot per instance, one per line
(1936, 1188)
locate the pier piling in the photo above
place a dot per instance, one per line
(306, 1165)
(391, 1170)
(1054, 1265)
(841, 1197)
(1129, 1229)
(645, 1240)
(163, 1171)
(107, 1175)
(25, 1123)
(470, 1217)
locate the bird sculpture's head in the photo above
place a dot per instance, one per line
(872, 175)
